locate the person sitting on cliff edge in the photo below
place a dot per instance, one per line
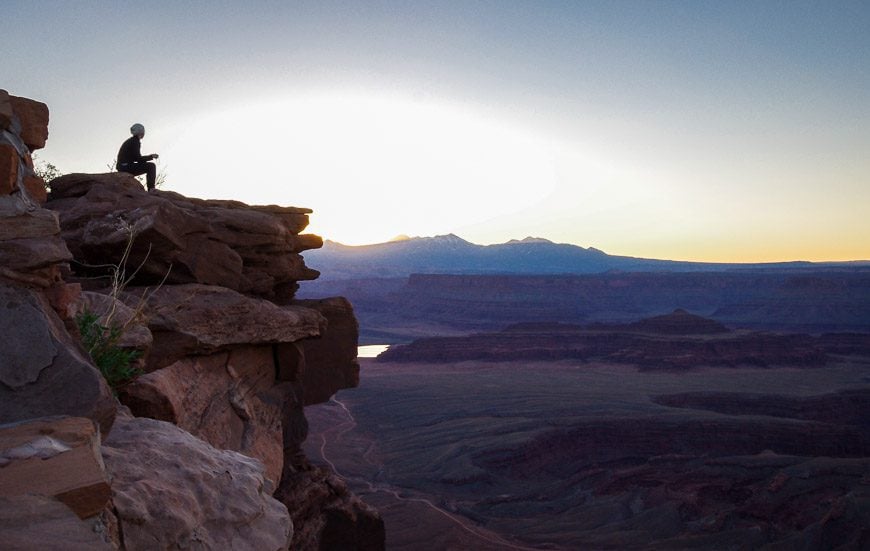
(131, 160)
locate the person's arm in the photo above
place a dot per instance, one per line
(145, 157)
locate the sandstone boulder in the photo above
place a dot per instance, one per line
(55, 456)
(250, 249)
(174, 491)
(18, 220)
(229, 399)
(29, 522)
(33, 117)
(77, 185)
(43, 371)
(201, 319)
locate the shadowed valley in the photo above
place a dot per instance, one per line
(601, 411)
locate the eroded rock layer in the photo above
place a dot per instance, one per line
(253, 250)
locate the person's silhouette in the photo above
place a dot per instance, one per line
(131, 160)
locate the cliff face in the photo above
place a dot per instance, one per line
(203, 291)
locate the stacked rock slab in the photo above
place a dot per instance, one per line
(252, 250)
(54, 404)
(55, 456)
(43, 371)
(212, 367)
(24, 126)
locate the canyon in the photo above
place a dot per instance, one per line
(808, 299)
(589, 454)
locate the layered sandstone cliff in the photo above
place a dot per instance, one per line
(202, 450)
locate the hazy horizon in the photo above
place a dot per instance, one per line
(403, 237)
(689, 131)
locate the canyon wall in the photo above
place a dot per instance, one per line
(203, 448)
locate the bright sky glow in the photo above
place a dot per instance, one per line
(704, 130)
(377, 166)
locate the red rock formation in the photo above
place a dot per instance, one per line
(172, 490)
(193, 319)
(25, 123)
(253, 250)
(226, 367)
(33, 120)
(229, 399)
(55, 456)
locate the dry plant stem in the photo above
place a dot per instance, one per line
(120, 281)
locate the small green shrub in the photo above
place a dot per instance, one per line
(45, 170)
(101, 342)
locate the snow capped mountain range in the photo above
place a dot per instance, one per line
(450, 254)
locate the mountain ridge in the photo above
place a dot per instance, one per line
(451, 254)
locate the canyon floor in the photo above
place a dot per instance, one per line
(572, 454)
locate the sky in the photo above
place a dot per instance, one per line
(692, 130)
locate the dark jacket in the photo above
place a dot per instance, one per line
(130, 152)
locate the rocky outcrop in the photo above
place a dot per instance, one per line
(43, 371)
(171, 490)
(23, 129)
(201, 291)
(30, 241)
(213, 367)
(333, 518)
(57, 457)
(229, 399)
(330, 360)
(30, 120)
(194, 319)
(253, 250)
